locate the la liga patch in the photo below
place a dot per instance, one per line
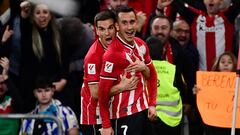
(108, 67)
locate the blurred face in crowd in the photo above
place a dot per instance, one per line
(106, 31)
(213, 6)
(127, 26)
(226, 63)
(116, 3)
(3, 87)
(42, 15)
(44, 95)
(225, 4)
(181, 32)
(161, 28)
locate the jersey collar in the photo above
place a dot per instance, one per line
(124, 43)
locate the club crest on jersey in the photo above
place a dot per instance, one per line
(91, 69)
(108, 67)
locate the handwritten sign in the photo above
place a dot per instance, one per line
(215, 100)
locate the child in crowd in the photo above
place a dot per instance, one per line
(44, 90)
(226, 62)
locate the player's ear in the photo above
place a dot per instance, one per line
(117, 26)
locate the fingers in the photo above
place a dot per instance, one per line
(195, 89)
(25, 4)
(124, 74)
(133, 83)
(25, 9)
(135, 57)
(4, 62)
(7, 28)
(152, 113)
(7, 34)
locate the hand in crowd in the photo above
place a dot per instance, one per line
(25, 9)
(7, 34)
(163, 3)
(195, 89)
(60, 85)
(4, 62)
(107, 131)
(141, 18)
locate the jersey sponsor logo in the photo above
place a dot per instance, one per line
(202, 24)
(91, 69)
(108, 67)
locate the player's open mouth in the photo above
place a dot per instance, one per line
(129, 33)
(109, 39)
(211, 5)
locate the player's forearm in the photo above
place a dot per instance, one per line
(94, 90)
(152, 85)
(103, 98)
(115, 90)
(146, 72)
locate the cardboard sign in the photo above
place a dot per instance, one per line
(215, 99)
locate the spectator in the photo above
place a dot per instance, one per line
(44, 91)
(173, 53)
(10, 45)
(9, 100)
(41, 51)
(226, 62)
(128, 109)
(170, 12)
(181, 32)
(162, 27)
(212, 31)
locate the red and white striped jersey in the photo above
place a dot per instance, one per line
(118, 56)
(92, 66)
(212, 36)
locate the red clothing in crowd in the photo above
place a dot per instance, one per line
(212, 35)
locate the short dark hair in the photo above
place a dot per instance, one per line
(162, 17)
(123, 9)
(155, 47)
(104, 15)
(43, 82)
